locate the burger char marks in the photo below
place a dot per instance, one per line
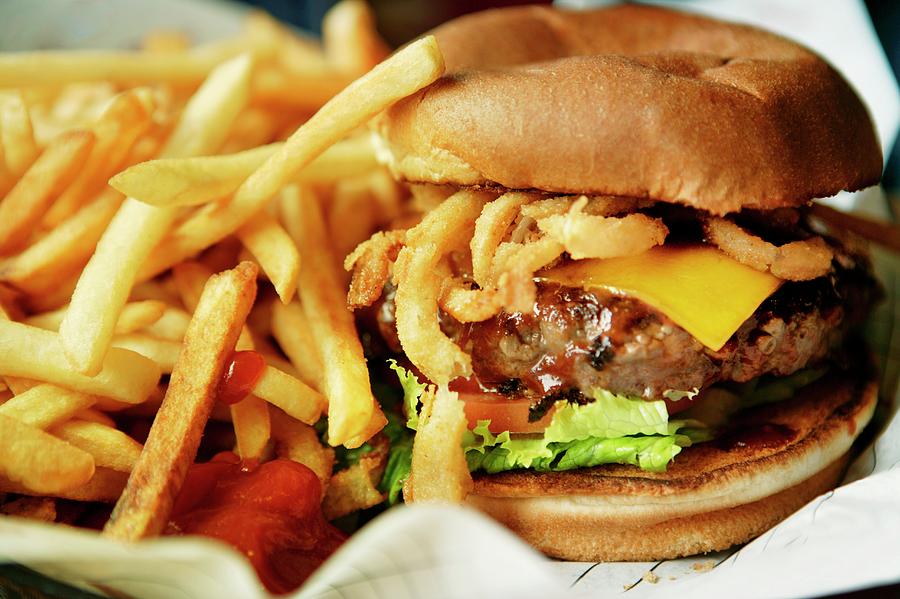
(576, 340)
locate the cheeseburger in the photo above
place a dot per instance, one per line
(617, 274)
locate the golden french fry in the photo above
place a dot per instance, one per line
(190, 181)
(404, 73)
(252, 428)
(163, 352)
(106, 485)
(171, 325)
(45, 405)
(107, 279)
(39, 461)
(111, 448)
(300, 443)
(16, 135)
(95, 415)
(134, 317)
(274, 250)
(25, 204)
(37, 354)
(439, 471)
(160, 290)
(352, 43)
(116, 130)
(345, 378)
(290, 394)
(199, 180)
(20, 69)
(350, 490)
(145, 505)
(291, 329)
(45, 268)
(300, 91)
(352, 217)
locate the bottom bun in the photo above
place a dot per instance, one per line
(772, 461)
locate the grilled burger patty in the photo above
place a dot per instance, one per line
(576, 340)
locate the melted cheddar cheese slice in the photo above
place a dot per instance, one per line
(701, 289)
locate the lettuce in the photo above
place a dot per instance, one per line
(614, 429)
(412, 392)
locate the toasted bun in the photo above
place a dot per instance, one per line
(713, 496)
(632, 101)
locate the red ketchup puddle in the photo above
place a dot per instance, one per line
(241, 375)
(269, 512)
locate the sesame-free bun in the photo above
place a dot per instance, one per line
(632, 101)
(713, 495)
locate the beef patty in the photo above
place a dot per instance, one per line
(576, 340)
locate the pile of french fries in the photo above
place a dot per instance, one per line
(164, 207)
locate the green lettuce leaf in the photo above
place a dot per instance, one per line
(612, 430)
(610, 416)
(412, 392)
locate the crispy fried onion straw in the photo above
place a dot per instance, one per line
(794, 261)
(587, 235)
(370, 264)
(418, 280)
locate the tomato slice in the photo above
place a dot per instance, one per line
(680, 405)
(505, 414)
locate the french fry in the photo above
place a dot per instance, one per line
(190, 181)
(134, 317)
(252, 428)
(144, 507)
(46, 405)
(58, 255)
(352, 217)
(108, 278)
(291, 329)
(116, 130)
(290, 394)
(274, 250)
(96, 416)
(352, 44)
(171, 325)
(16, 134)
(111, 448)
(23, 69)
(39, 461)
(300, 443)
(199, 180)
(106, 485)
(23, 207)
(37, 354)
(439, 471)
(404, 73)
(163, 352)
(345, 378)
(299, 91)
(350, 490)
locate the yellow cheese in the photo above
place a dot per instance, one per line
(701, 289)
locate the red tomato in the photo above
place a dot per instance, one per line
(675, 406)
(505, 414)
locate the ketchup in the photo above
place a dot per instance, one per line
(271, 513)
(241, 375)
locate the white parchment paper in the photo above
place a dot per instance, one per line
(843, 540)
